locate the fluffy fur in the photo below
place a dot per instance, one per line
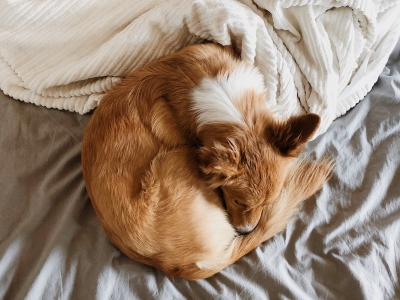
(173, 180)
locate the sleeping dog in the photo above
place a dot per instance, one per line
(187, 168)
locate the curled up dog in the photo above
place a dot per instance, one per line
(187, 168)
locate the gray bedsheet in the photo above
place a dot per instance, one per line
(344, 243)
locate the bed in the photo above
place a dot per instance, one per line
(344, 242)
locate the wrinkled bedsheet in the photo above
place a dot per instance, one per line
(343, 244)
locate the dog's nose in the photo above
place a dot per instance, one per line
(244, 229)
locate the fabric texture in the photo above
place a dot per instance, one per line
(343, 244)
(316, 56)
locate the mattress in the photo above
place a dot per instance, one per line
(344, 242)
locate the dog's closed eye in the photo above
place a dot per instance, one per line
(240, 203)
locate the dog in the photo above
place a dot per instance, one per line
(187, 168)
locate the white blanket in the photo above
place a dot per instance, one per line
(316, 56)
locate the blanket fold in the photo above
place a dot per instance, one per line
(316, 56)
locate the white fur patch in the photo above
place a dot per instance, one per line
(245, 228)
(215, 99)
(214, 230)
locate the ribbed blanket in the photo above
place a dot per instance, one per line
(316, 56)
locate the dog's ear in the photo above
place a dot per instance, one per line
(220, 161)
(290, 136)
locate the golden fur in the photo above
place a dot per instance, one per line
(172, 195)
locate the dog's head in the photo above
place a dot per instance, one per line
(250, 167)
